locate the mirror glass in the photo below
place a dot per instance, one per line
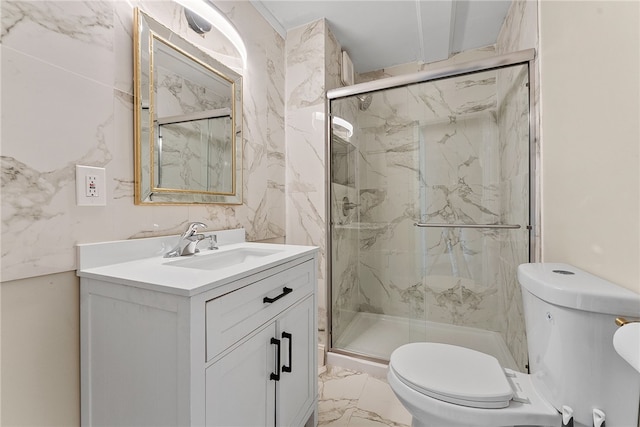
(188, 115)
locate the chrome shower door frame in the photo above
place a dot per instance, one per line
(523, 57)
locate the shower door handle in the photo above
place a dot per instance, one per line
(445, 225)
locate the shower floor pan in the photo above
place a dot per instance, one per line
(377, 335)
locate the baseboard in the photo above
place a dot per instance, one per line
(376, 370)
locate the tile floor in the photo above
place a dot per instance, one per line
(354, 399)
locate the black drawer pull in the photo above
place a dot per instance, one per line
(285, 291)
(276, 376)
(288, 336)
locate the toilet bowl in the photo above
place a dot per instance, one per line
(478, 392)
(575, 371)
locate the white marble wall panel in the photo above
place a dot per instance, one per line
(68, 99)
(276, 141)
(305, 189)
(333, 55)
(311, 58)
(518, 32)
(305, 49)
(74, 35)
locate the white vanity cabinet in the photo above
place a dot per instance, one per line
(270, 368)
(238, 352)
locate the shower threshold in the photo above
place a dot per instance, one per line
(377, 335)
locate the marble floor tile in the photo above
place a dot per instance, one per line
(355, 399)
(378, 398)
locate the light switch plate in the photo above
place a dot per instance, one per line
(90, 186)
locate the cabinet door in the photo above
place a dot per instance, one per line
(239, 391)
(296, 389)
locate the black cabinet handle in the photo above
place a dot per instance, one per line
(288, 336)
(285, 291)
(276, 376)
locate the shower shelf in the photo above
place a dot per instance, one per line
(363, 225)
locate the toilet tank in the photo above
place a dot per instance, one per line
(570, 321)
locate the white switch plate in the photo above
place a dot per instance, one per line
(90, 186)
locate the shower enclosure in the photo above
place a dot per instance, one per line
(431, 209)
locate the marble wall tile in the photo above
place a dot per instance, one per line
(311, 54)
(38, 190)
(305, 149)
(333, 52)
(67, 67)
(306, 69)
(518, 32)
(74, 36)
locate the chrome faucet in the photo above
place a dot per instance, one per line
(347, 205)
(188, 241)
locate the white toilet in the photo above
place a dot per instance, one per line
(575, 371)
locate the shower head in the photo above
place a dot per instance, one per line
(364, 101)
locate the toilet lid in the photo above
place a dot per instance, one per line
(453, 374)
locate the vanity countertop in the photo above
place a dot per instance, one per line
(140, 263)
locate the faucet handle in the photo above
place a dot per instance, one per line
(192, 228)
(213, 241)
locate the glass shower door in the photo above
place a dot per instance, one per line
(451, 155)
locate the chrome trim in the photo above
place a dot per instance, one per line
(328, 333)
(434, 225)
(360, 356)
(535, 244)
(435, 73)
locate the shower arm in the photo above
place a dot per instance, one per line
(444, 225)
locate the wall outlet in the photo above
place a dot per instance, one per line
(90, 186)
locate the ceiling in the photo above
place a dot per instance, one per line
(381, 33)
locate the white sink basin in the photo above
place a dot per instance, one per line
(223, 259)
(141, 262)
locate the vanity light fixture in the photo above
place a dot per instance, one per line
(207, 11)
(197, 23)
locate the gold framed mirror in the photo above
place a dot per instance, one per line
(188, 121)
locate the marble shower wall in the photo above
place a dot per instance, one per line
(68, 99)
(471, 133)
(312, 68)
(519, 31)
(427, 156)
(346, 230)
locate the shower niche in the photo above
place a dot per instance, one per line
(449, 152)
(343, 162)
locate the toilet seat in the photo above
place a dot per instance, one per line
(452, 374)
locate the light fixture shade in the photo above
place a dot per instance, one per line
(210, 13)
(196, 22)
